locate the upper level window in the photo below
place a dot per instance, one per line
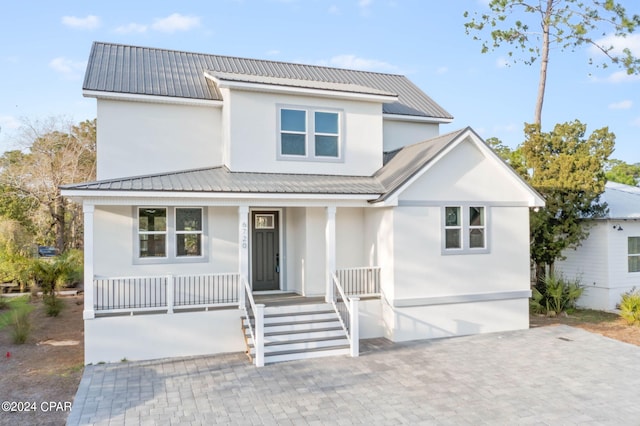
(634, 254)
(464, 229)
(307, 133)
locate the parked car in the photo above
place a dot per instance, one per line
(45, 251)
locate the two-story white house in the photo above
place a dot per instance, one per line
(221, 179)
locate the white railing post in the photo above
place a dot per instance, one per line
(330, 251)
(259, 337)
(170, 301)
(243, 250)
(89, 311)
(355, 326)
(241, 296)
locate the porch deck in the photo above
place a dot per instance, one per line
(285, 299)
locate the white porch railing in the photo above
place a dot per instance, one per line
(364, 281)
(254, 315)
(347, 310)
(164, 293)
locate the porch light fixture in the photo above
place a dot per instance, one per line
(617, 227)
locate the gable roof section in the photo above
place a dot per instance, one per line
(405, 165)
(133, 70)
(402, 164)
(623, 201)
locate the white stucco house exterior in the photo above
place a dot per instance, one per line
(221, 178)
(608, 261)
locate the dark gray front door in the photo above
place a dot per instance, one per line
(265, 251)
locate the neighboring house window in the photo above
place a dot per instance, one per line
(167, 234)
(465, 229)
(307, 133)
(634, 254)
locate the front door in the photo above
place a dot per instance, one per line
(265, 251)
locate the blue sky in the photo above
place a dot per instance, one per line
(45, 46)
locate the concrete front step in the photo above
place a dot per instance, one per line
(317, 353)
(276, 348)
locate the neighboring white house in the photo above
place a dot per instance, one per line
(608, 261)
(219, 177)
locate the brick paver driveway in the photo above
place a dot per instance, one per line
(550, 375)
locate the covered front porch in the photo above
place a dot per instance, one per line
(184, 299)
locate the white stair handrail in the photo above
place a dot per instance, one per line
(255, 330)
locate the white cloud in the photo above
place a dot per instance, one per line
(442, 70)
(131, 28)
(622, 77)
(91, 22)
(273, 52)
(334, 10)
(618, 44)
(176, 22)
(9, 122)
(626, 104)
(68, 68)
(364, 3)
(354, 62)
(636, 122)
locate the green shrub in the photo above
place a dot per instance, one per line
(16, 304)
(556, 294)
(52, 305)
(4, 303)
(630, 307)
(21, 327)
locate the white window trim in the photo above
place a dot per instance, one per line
(631, 255)
(465, 227)
(170, 240)
(310, 134)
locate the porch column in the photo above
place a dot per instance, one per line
(89, 312)
(330, 250)
(243, 251)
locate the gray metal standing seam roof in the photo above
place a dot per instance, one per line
(119, 68)
(400, 166)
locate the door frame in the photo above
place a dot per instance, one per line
(280, 245)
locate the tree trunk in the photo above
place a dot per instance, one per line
(59, 218)
(544, 63)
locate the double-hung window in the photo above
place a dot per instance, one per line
(308, 133)
(152, 231)
(167, 234)
(634, 253)
(465, 229)
(188, 232)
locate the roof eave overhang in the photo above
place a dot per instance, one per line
(305, 91)
(415, 118)
(133, 97)
(81, 194)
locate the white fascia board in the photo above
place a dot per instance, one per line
(84, 194)
(325, 93)
(131, 97)
(175, 200)
(413, 118)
